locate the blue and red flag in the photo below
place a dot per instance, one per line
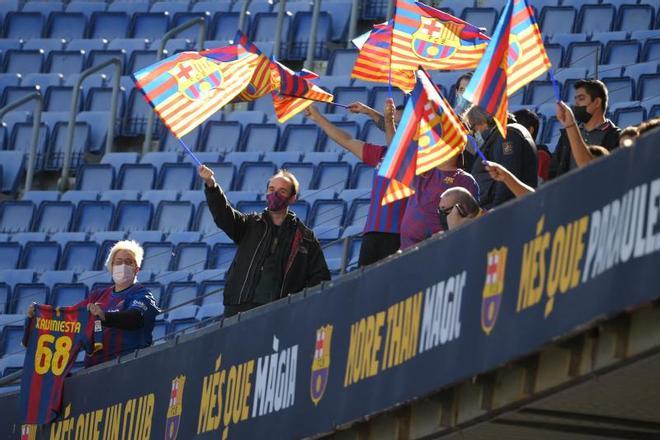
(432, 135)
(427, 37)
(515, 57)
(373, 60)
(293, 91)
(260, 84)
(187, 88)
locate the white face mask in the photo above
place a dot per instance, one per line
(122, 274)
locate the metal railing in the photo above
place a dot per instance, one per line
(199, 21)
(311, 44)
(36, 125)
(281, 12)
(352, 27)
(63, 183)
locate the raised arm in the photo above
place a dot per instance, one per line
(359, 107)
(224, 215)
(579, 148)
(501, 174)
(335, 133)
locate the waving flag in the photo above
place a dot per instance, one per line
(515, 57)
(187, 88)
(373, 60)
(260, 84)
(293, 91)
(424, 36)
(432, 135)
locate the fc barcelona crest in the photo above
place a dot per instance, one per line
(197, 78)
(321, 363)
(28, 432)
(493, 289)
(434, 40)
(175, 408)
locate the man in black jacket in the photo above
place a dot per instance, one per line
(517, 153)
(277, 254)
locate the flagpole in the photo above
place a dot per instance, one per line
(477, 149)
(315, 100)
(190, 153)
(555, 86)
(389, 77)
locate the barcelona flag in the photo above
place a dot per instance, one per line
(424, 36)
(293, 91)
(432, 135)
(515, 57)
(373, 60)
(187, 88)
(259, 84)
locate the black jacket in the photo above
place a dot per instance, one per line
(305, 265)
(517, 154)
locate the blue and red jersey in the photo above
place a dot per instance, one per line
(385, 218)
(53, 338)
(117, 342)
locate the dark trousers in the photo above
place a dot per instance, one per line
(376, 246)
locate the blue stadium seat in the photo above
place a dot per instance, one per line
(331, 175)
(46, 45)
(191, 257)
(347, 95)
(224, 174)
(622, 52)
(625, 117)
(374, 9)
(260, 137)
(149, 25)
(247, 116)
(93, 216)
(171, 7)
(130, 7)
(67, 294)
(239, 157)
(281, 157)
(141, 58)
(67, 25)
(372, 134)
(481, 17)
(80, 256)
(159, 333)
(54, 217)
(40, 196)
(13, 216)
(340, 11)
(9, 80)
(212, 6)
(301, 209)
(193, 32)
(24, 25)
(10, 254)
(99, 177)
(303, 171)
(176, 176)
(139, 177)
(194, 196)
(263, 26)
(250, 207)
(221, 136)
(44, 7)
(341, 62)
(14, 93)
(58, 139)
(557, 19)
(24, 61)
(132, 216)
(97, 57)
(224, 25)
(58, 99)
(177, 238)
(107, 236)
(86, 45)
(328, 214)
(583, 54)
(145, 236)
(254, 175)
(179, 293)
(222, 255)
(52, 277)
(99, 99)
(157, 196)
(5, 296)
(95, 279)
(300, 137)
(333, 252)
(21, 140)
(648, 86)
(203, 221)
(117, 195)
(540, 92)
(109, 25)
(651, 50)
(86, 7)
(136, 114)
(327, 144)
(13, 163)
(620, 89)
(380, 94)
(596, 18)
(97, 122)
(76, 196)
(357, 213)
(173, 216)
(300, 33)
(157, 256)
(40, 256)
(23, 238)
(211, 288)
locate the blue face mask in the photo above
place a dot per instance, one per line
(461, 105)
(479, 139)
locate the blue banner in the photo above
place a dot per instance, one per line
(585, 247)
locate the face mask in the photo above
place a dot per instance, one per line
(461, 104)
(276, 201)
(123, 274)
(443, 220)
(479, 139)
(581, 113)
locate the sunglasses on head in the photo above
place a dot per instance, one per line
(447, 211)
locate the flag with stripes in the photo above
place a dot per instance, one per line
(424, 36)
(187, 88)
(260, 83)
(432, 135)
(293, 91)
(373, 60)
(515, 57)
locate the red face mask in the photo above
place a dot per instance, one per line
(276, 201)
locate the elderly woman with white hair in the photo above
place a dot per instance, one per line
(127, 310)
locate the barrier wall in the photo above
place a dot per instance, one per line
(583, 248)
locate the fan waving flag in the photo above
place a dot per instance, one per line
(187, 88)
(432, 135)
(260, 83)
(373, 60)
(293, 91)
(424, 36)
(515, 57)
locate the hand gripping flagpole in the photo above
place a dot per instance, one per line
(190, 153)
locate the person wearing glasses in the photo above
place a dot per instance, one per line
(127, 309)
(457, 207)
